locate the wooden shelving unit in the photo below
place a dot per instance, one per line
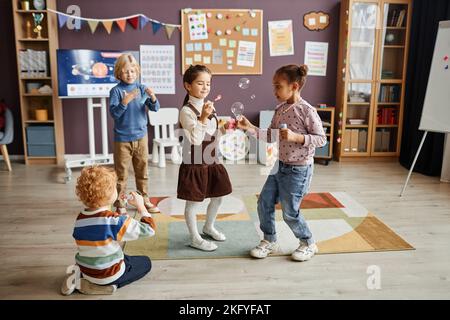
(327, 116)
(372, 58)
(50, 146)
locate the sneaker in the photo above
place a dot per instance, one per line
(203, 245)
(87, 287)
(121, 206)
(150, 206)
(304, 252)
(263, 249)
(67, 287)
(215, 234)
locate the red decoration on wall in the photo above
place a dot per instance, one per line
(134, 22)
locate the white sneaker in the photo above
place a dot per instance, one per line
(263, 249)
(87, 287)
(215, 234)
(304, 252)
(203, 245)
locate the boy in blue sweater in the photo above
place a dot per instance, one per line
(129, 101)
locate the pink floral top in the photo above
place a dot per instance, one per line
(301, 118)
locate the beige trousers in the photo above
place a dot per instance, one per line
(137, 152)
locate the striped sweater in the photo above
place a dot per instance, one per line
(97, 234)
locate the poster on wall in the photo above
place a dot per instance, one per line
(316, 56)
(158, 68)
(87, 73)
(281, 40)
(246, 53)
(197, 26)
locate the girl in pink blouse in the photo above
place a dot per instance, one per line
(300, 132)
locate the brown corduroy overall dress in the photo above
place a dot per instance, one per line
(198, 178)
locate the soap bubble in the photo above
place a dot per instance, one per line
(244, 83)
(237, 109)
(252, 97)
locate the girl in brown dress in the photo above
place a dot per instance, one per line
(201, 175)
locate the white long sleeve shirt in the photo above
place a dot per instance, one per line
(194, 130)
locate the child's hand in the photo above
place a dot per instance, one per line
(129, 96)
(290, 136)
(150, 93)
(244, 123)
(137, 201)
(207, 110)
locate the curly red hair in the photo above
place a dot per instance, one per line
(95, 186)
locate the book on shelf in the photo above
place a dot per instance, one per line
(382, 140)
(393, 16)
(347, 140)
(354, 140)
(387, 115)
(397, 17)
(362, 140)
(401, 17)
(389, 93)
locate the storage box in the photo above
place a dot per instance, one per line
(40, 135)
(323, 151)
(41, 150)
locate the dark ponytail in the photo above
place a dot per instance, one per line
(191, 74)
(293, 73)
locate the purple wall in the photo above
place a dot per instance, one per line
(9, 83)
(317, 90)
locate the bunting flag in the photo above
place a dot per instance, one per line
(62, 20)
(93, 25)
(134, 22)
(77, 23)
(122, 24)
(144, 21)
(73, 22)
(156, 26)
(108, 25)
(169, 31)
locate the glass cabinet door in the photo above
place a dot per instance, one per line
(387, 117)
(362, 40)
(357, 117)
(393, 41)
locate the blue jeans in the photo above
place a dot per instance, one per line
(135, 268)
(288, 185)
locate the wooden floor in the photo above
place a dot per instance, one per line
(38, 212)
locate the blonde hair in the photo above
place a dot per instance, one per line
(95, 186)
(122, 61)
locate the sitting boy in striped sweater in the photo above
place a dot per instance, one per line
(103, 267)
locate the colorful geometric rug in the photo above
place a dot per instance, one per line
(338, 223)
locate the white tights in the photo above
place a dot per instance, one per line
(191, 216)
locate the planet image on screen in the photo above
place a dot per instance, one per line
(93, 70)
(100, 69)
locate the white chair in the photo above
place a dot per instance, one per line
(164, 121)
(267, 152)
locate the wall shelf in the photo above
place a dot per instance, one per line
(44, 51)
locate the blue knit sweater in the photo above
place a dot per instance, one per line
(130, 121)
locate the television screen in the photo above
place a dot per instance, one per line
(87, 73)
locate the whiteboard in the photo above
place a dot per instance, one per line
(436, 107)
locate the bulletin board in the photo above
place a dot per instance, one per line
(227, 41)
